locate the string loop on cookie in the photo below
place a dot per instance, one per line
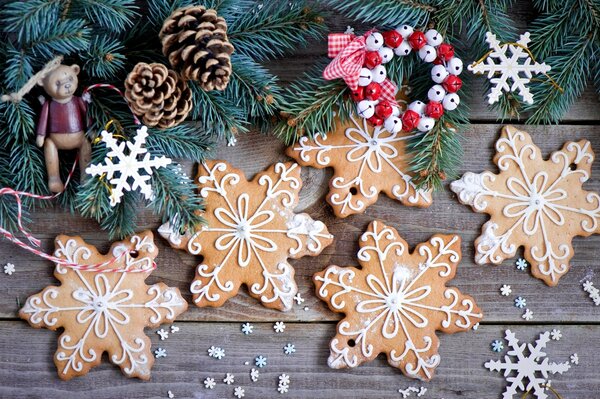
(359, 60)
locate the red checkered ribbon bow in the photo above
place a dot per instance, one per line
(348, 52)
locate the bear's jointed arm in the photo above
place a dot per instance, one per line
(42, 127)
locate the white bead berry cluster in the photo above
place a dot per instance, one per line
(380, 49)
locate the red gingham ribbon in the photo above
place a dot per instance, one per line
(348, 53)
(35, 242)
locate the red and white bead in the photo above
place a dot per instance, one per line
(442, 97)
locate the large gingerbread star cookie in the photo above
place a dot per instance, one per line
(535, 203)
(104, 312)
(366, 160)
(396, 301)
(251, 231)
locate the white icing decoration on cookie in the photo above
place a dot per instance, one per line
(373, 150)
(532, 201)
(103, 308)
(395, 301)
(247, 234)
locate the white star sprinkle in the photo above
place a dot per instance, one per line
(289, 349)
(229, 379)
(164, 334)
(9, 269)
(279, 326)
(298, 298)
(254, 374)
(528, 315)
(239, 392)
(209, 383)
(160, 352)
(556, 334)
(505, 290)
(247, 328)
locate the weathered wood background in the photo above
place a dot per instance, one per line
(27, 369)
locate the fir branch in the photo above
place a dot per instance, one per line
(159, 10)
(183, 141)
(267, 32)
(18, 68)
(121, 221)
(19, 121)
(176, 199)
(218, 115)
(386, 13)
(114, 15)
(28, 19)
(252, 88)
(572, 65)
(63, 37)
(313, 106)
(105, 58)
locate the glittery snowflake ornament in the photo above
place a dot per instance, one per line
(104, 312)
(132, 170)
(535, 203)
(396, 301)
(526, 367)
(251, 232)
(509, 72)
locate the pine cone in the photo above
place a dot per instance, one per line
(157, 95)
(195, 41)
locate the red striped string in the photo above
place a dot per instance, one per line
(35, 242)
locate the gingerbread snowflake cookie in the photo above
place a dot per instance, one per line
(251, 231)
(396, 301)
(104, 311)
(535, 203)
(366, 160)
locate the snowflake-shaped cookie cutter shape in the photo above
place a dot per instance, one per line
(126, 174)
(251, 232)
(511, 73)
(535, 203)
(396, 301)
(360, 155)
(104, 312)
(526, 362)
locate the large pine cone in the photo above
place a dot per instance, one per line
(195, 41)
(157, 95)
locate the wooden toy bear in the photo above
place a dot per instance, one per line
(62, 122)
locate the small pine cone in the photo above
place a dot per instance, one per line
(195, 41)
(157, 95)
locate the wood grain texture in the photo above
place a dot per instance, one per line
(255, 152)
(460, 375)
(27, 369)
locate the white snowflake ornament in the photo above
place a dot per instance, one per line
(512, 72)
(127, 174)
(526, 366)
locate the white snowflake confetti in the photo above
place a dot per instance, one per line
(284, 379)
(260, 361)
(298, 298)
(349, 30)
(170, 395)
(174, 329)
(9, 269)
(164, 334)
(229, 379)
(505, 290)
(593, 292)
(520, 302)
(289, 349)
(279, 326)
(476, 326)
(515, 72)
(408, 391)
(254, 374)
(556, 334)
(209, 383)
(125, 175)
(527, 315)
(526, 366)
(283, 389)
(575, 359)
(216, 352)
(306, 308)
(160, 352)
(247, 328)
(521, 264)
(497, 346)
(239, 392)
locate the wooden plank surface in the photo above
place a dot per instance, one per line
(27, 370)
(255, 152)
(30, 373)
